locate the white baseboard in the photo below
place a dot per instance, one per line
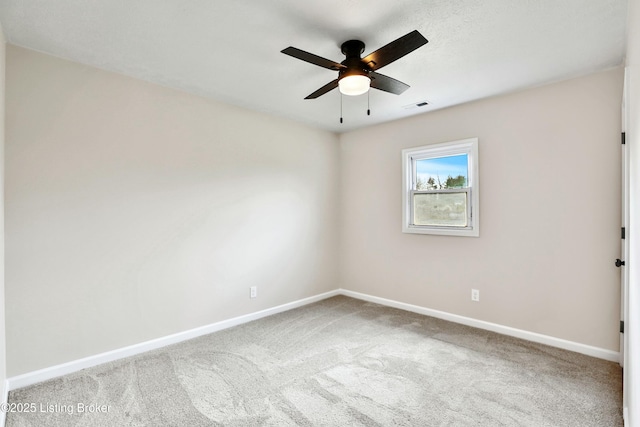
(5, 400)
(41, 375)
(588, 350)
(625, 417)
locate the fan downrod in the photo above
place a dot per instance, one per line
(352, 48)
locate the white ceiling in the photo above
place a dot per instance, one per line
(229, 50)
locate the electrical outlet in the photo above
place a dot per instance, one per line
(253, 291)
(475, 295)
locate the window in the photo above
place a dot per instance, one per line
(440, 189)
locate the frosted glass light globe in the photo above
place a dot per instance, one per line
(354, 85)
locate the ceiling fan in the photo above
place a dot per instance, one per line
(355, 74)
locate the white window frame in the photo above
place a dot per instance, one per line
(411, 155)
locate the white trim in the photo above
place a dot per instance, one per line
(41, 375)
(45, 374)
(5, 400)
(600, 353)
(625, 416)
(467, 146)
(625, 248)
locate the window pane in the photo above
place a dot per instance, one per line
(440, 209)
(442, 172)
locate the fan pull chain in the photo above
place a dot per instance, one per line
(340, 107)
(368, 109)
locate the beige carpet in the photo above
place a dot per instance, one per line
(339, 362)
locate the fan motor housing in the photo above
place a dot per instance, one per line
(352, 49)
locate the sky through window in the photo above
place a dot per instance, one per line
(443, 167)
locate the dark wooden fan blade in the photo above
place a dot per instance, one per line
(313, 59)
(395, 50)
(387, 84)
(324, 89)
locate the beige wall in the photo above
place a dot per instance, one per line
(550, 212)
(134, 211)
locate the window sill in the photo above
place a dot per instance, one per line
(442, 231)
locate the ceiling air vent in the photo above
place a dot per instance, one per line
(416, 105)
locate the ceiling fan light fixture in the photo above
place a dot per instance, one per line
(354, 84)
(356, 74)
